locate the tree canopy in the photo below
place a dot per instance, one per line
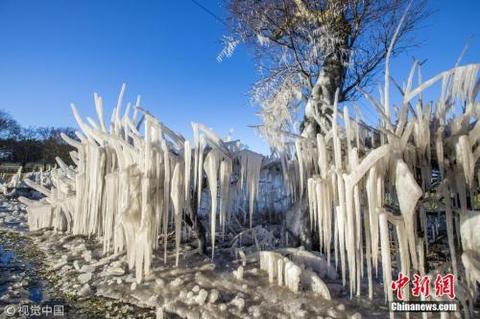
(307, 49)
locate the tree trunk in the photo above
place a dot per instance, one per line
(193, 221)
(319, 107)
(297, 225)
(322, 98)
(196, 225)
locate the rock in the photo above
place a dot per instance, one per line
(254, 311)
(87, 268)
(118, 263)
(133, 286)
(85, 290)
(208, 266)
(238, 302)
(160, 282)
(196, 289)
(149, 277)
(318, 286)
(115, 271)
(152, 300)
(341, 307)
(65, 269)
(130, 278)
(222, 307)
(213, 297)
(67, 257)
(356, 315)
(333, 313)
(176, 282)
(201, 297)
(76, 265)
(79, 249)
(59, 265)
(119, 281)
(84, 278)
(87, 255)
(253, 271)
(238, 274)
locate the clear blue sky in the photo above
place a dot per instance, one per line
(57, 52)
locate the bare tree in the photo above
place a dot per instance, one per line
(53, 145)
(9, 128)
(307, 49)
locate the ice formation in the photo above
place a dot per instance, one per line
(130, 189)
(15, 181)
(363, 192)
(251, 164)
(471, 247)
(282, 271)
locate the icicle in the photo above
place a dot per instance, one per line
(322, 155)
(225, 173)
(166, 196)
(301, 164)
(178, 198)
(403, 246)
(471, 246)
(200, 172)
(116, 113)
(358, 231)
(341, 208)
(350, 181)
(408, 193)
(449, 222)
(350, 233)
(211, 166)
(251, 163)
(348, 133)
(464, 159)
(439, 150)
(187, 170)
(292, 276)
(372, 213)
(386, 262)
(368, 248)
(312, 203)
(196, 141)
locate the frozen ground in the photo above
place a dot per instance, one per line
(26, 278)
(43, 266)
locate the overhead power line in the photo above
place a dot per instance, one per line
(208, 11)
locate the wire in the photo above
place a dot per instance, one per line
(209, 12)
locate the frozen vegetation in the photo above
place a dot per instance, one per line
(208, 229)
(320, 228)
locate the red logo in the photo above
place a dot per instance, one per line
(421, 286)
(444, 285)
(398, 285)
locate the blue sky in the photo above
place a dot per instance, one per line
(57, 52)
